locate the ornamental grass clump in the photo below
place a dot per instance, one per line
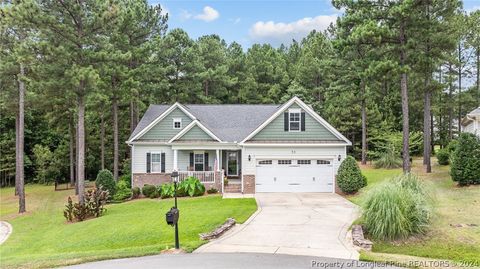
(397, 209)
(388, 159)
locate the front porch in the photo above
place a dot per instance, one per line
(210, 166)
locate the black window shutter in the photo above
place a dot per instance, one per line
(162, 161)
(206, 162)
(285, 121)
(191, 160)
(302, 121)
(148, 162)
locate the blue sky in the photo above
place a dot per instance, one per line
(248, 22)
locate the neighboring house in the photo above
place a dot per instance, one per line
(258, 148)
(471, 122)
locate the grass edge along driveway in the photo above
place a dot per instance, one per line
(41, 238)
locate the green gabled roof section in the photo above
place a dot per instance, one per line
(317, 130)
(195, 131)
(314, 130)
(163, 130)
(195, 134)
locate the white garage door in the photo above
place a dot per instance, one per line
(286, 175)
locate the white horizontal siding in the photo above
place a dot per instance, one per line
(139, 158)
(249, 167)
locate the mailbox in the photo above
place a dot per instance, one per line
(172, 216)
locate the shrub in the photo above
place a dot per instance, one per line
(397, 209)
(443, 156)
(93, 207)
(193, 187)
(212, 191)
(123, 191)
(106, 181)
(465, 160)
(350, 178)
(166, 190)
(127, 179)
(388, 159)
(136, 192)
(148, 190)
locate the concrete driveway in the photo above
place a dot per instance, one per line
(313, 224)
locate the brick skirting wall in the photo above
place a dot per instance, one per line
(249, 184)
(152, 179)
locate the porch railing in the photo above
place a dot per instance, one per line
(203, 176)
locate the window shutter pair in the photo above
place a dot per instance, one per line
(149, 162)
(205, 161)
(286, 121)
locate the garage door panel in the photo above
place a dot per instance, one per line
(294, 178)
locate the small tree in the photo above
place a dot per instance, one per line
(106, 181)
(350, 178)
(465, 160)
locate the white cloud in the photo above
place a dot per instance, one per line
(276, 33)
(209, 14)
(185, 15)
(473, 9)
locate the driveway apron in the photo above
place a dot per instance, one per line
(314, 224)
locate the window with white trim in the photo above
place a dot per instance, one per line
(156, 164)
(284, 161)
(323, 162)
(198, 161)
(304, 161)
(294, 120)
(177, 123)
(265, 162)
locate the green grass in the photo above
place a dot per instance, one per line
(452, 205)
(42, 238)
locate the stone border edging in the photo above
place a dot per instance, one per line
(5, 231)
(229, 223)
(358, 238)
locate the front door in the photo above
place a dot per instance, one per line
(232, 163)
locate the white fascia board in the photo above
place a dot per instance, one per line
(161, 117)
(190, 126)
(293, 145)
(222, 146)
(309, 110)
(147, 143)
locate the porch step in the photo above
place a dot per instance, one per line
(233, 188)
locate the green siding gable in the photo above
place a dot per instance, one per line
(313, 130)
(196, 133)
(163, 130)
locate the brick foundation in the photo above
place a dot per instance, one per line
(248, 184)
(152, 179)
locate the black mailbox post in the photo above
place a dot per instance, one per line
(173, 214)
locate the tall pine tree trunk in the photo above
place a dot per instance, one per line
(115, 136)
(426, 126)
(450, 105)
(21, 133)
(81, 143)
(404, 94)
(102, 140)
(17, 163)
(72, 154)
(364, 124)
(459, 87)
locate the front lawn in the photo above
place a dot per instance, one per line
(42, 238)
(454, 206)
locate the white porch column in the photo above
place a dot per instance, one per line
(218, 159)
(175, 158)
